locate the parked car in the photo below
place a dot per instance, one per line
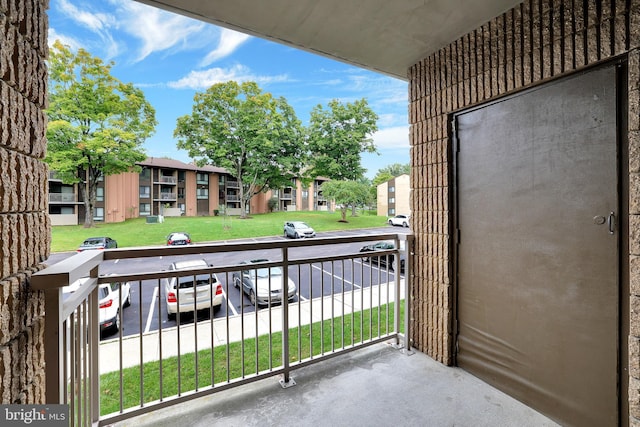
(382, 260)
(195, 292)
(298, 230)
(98, 243)
(109, 306)
(402, 220)
(179, 238)
(263, 285)
(109, 303)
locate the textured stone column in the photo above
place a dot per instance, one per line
(24, 222)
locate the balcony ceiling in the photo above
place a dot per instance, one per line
(387, 36)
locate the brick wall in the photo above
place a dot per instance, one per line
(536, 41)
(24, 223)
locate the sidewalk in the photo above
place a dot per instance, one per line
(185, 339)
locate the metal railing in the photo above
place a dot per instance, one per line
(166, 180)
(341, 302)
(167, 196)
(62, 198)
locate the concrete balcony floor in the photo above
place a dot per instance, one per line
(375, 386)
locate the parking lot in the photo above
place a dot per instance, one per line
(147, 311)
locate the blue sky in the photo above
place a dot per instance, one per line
(172, 57)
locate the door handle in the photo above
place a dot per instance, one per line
(611, 222)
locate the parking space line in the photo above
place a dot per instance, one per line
(233, 309)
(147, 327)
(337, 277)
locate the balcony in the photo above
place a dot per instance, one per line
(167, 196)
(344, 357)
(170, 180)
(232, 184)
(62, 198)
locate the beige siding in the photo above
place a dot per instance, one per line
(383, 199)
(403, 194)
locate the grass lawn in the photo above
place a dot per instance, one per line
(136, 232)
(229, 362)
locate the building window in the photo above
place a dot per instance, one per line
(145, 191)
(145, 173)
(392, 189)
(145, 208)
(392, 199)
(180, 193)
(183, 207)
(181, 176)
(305, 194)
(98, 214)
(392, 212)
(202, 193)
(202, 178)
(99, 194)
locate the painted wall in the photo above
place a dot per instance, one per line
(121, 197)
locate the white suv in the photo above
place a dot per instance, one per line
(109, 303)
(109, 312)
(194, 292)
(402, 220)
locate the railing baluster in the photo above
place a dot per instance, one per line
(342, 314)
(353, 299)
(322, 308)
(310, 268)
(140, 338)
(178, 329)
(285, 318)
(94, 334)
(333, 314)
(160, 345)
(286, 295)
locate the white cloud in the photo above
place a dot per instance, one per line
(65, 40)
(96, 22)
(392, 138)
(205, 78)
(229, 41)
(158, 30)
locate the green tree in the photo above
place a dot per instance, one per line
(391, 171)
(254, 136)
(97, 124)
(338, 135)
(347, 194)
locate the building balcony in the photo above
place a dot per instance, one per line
(62, 198)
(166, 196)
(232, 184)
(170, 180)
(345, 356)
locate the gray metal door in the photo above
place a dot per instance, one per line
(537, 259)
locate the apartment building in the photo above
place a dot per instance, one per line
(394, 196)
(299, 197)
(170, 187)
